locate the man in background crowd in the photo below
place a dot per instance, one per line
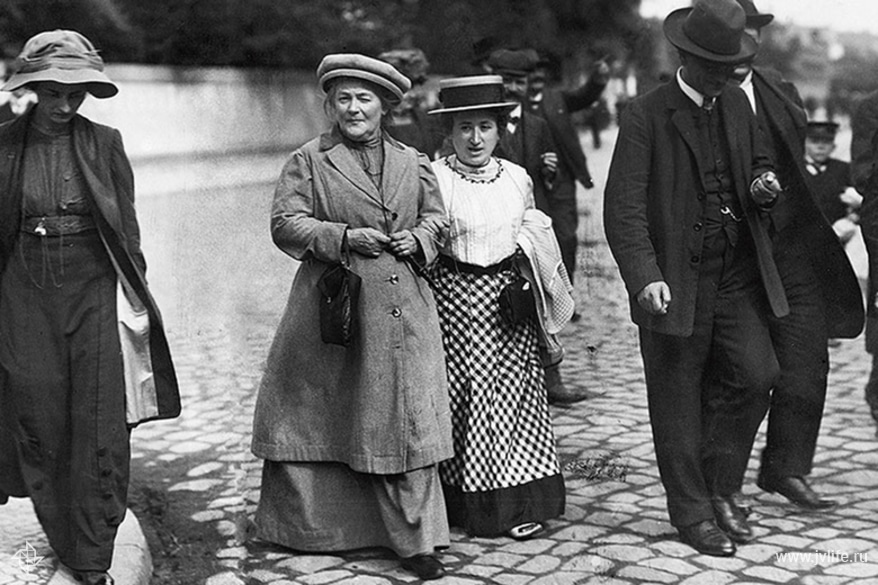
(554, 105)
(528, 142)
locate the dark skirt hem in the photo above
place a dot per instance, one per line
(494, 512)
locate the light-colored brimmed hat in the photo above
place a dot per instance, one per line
(473, 92)
(755, 18)
(62, 56)
(712, 30)
(362, 67)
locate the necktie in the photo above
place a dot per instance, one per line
(707, 104)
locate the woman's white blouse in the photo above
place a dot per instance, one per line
(485, 208)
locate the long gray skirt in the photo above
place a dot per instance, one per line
(326, 506)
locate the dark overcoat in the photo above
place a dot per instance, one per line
(525, 148)
(109, 180)
(654, 200)
(381, 404)
(864, 174)
(555, 108)
(778, 108)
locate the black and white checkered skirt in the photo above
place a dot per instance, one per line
(500, 416)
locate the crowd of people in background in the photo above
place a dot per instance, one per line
(408, 386)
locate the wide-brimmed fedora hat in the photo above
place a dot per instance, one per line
(473, 92)
(362, 67)
(62, 56)
(755, 18)
(712, 30)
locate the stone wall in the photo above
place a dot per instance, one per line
(169, 112)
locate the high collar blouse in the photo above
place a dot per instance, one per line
(485, 208)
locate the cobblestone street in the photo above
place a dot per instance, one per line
(222, 286)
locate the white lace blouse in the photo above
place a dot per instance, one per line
(485, 208)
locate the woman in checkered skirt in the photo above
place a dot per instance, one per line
(504, 477)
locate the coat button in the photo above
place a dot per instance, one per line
(37, 485)
(102, 451)
(105, 472)
(396, 313)
(701, 196)
(697, 227)
(695, 259)
(393, 279)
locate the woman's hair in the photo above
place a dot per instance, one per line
(388, 100)
(501, 116)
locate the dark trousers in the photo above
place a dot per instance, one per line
(800, 343)
(561, 207)
(705, 390)
(64, 399)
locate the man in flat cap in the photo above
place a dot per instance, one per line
(689, 188)
(528, 142)
(821, 287)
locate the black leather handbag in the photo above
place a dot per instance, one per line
(516, 300)
(339, 296)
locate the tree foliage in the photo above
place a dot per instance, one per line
(297, 33)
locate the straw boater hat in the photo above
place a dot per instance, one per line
(62, 56)
(357, 66)
(712, 30)
(755, 19)
(474, 92)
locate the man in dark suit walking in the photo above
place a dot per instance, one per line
(864, 174)
(528, 142)
(554, 105)
(689, 191)
(820, 284)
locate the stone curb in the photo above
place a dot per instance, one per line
(132, 561)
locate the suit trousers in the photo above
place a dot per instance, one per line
(703, 388)
(800, 343)
(561, 207)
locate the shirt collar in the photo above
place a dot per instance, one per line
(693, 94)
(516, 113)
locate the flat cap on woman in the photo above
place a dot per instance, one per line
(62, 56)
(362, 67)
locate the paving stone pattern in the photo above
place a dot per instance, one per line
(615, 529)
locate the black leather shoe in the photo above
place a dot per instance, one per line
(796, 490)
(559, 394)
(426, 567)
(707, 538)
(731, 520)
(94, 578)
(742, 502)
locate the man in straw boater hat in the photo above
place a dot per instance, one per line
(689, 187)
(821, 287)
(84, 358)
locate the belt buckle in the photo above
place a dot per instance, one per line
(40, 230)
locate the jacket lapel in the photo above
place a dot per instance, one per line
(681, 117)
(343, 160)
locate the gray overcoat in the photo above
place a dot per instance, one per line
(381, 404)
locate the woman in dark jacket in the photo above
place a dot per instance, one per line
(352, 435)
(83, 357)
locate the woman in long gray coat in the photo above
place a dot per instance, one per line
(352, 435)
